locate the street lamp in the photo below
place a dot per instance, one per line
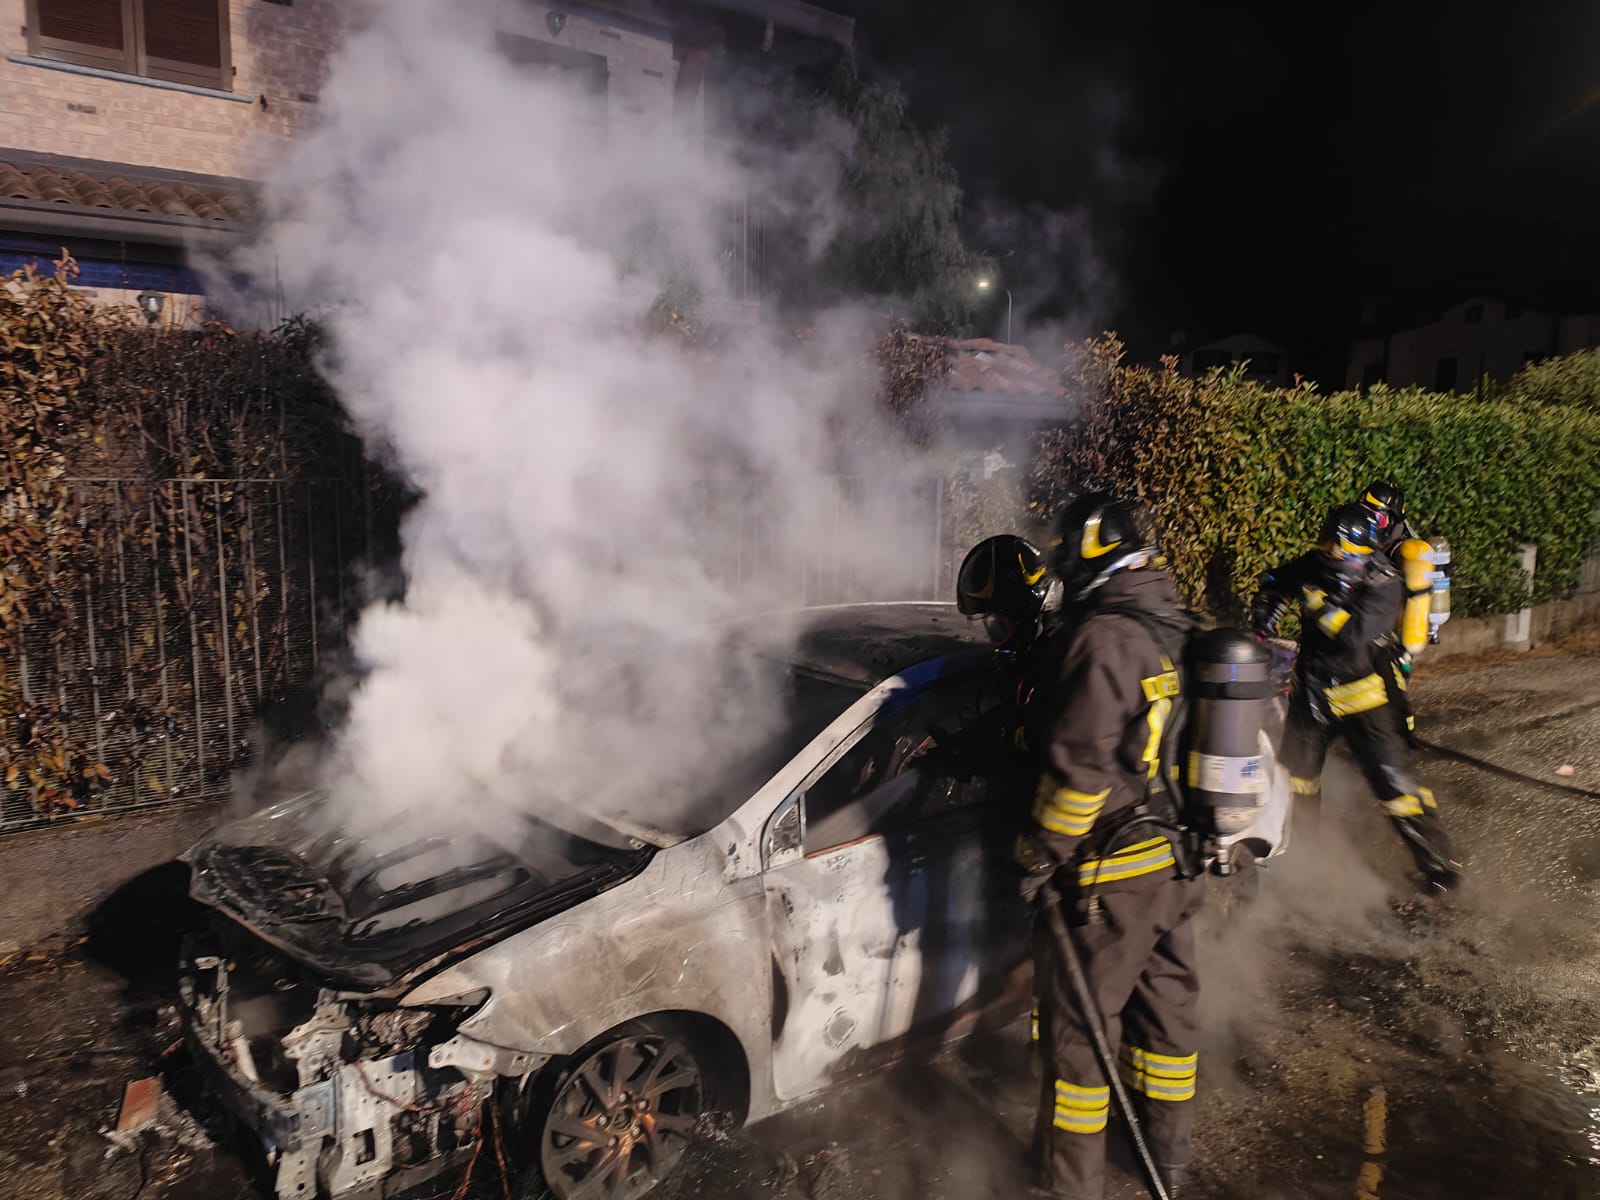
(985, 285)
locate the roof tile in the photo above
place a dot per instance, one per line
(124, 191)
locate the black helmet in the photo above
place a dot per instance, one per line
(1388, 505)
(1095, 536)
(1348, 537)
(1002, 579)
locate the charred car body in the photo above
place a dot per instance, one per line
(581, 996)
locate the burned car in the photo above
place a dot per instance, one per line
(580, 997)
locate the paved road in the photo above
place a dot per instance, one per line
(1479, 1022)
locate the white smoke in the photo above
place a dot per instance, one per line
(484, 248)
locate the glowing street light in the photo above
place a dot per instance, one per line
(985, 285)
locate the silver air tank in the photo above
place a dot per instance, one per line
(1226, 780)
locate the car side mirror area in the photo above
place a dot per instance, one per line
(786, 833)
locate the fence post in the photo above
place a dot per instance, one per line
(1519, 625)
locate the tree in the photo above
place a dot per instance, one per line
(859, 201)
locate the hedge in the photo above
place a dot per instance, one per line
(1572, 380)
(1240, 475)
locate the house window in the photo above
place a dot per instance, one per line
(1371, 374)
(1204, 360)
(1475, 314)
(587, 73)
(1263, 366)
(181, 41)
(1444, 377)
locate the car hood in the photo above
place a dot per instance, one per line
(371, 910)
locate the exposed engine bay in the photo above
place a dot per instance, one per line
(361, 1094)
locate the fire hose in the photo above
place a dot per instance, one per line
(1283, 655)
(1050, 901)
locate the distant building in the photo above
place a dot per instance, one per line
(130, 130)
(1262, 360)
(996, 395)
(1478, 339)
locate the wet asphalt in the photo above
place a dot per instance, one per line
(1358, 1040)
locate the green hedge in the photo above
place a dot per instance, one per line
(1573, 381)
(1240, 475)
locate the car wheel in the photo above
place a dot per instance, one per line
(620, 1119)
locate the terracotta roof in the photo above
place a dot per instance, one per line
(982, 365)
(121, 191)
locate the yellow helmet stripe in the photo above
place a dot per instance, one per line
(1093, 547)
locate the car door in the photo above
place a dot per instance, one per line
(879, 886)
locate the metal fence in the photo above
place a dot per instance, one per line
(205, 608)
(199, 629)
(1589, 576)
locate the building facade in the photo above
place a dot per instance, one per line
(1262, 360)
(130, 130)
(1476, 340)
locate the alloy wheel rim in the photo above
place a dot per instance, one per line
(621, 1121)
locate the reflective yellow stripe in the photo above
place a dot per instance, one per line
(1315, 598)
(1168, 1077)
(1363, 695)
(1186, 1062)
(1064, 811)
(1076, 1122)
(1427, 798)
(1139, 859)
(1081, 1109)
(1076, 1096)
(1174, 1093)
(1033, 1024)
(1403, 806)
(1332, 621)
(1400, 678)
(1304, 787)
(1152, 748)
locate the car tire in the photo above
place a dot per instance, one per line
(612, 1121)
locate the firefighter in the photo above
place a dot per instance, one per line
(1387, 503)
(1350, 598)
(1004, 583)
(1105, 756)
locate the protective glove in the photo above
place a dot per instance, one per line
(1037, 866)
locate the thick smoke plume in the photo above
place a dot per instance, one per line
(485, 247)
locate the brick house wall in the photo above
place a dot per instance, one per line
(280, 57)
(279, 53)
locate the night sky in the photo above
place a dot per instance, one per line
(1282, 169)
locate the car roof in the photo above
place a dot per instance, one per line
(864, 644)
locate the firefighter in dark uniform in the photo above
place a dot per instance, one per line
(1104, 818)
(1388, 506)
(1003, 582)
(1350, 599)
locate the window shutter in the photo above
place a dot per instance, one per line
(93, 33)
(185, 31)
(186, 41)
(96, 23)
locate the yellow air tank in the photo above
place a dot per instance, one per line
(1416, 564)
